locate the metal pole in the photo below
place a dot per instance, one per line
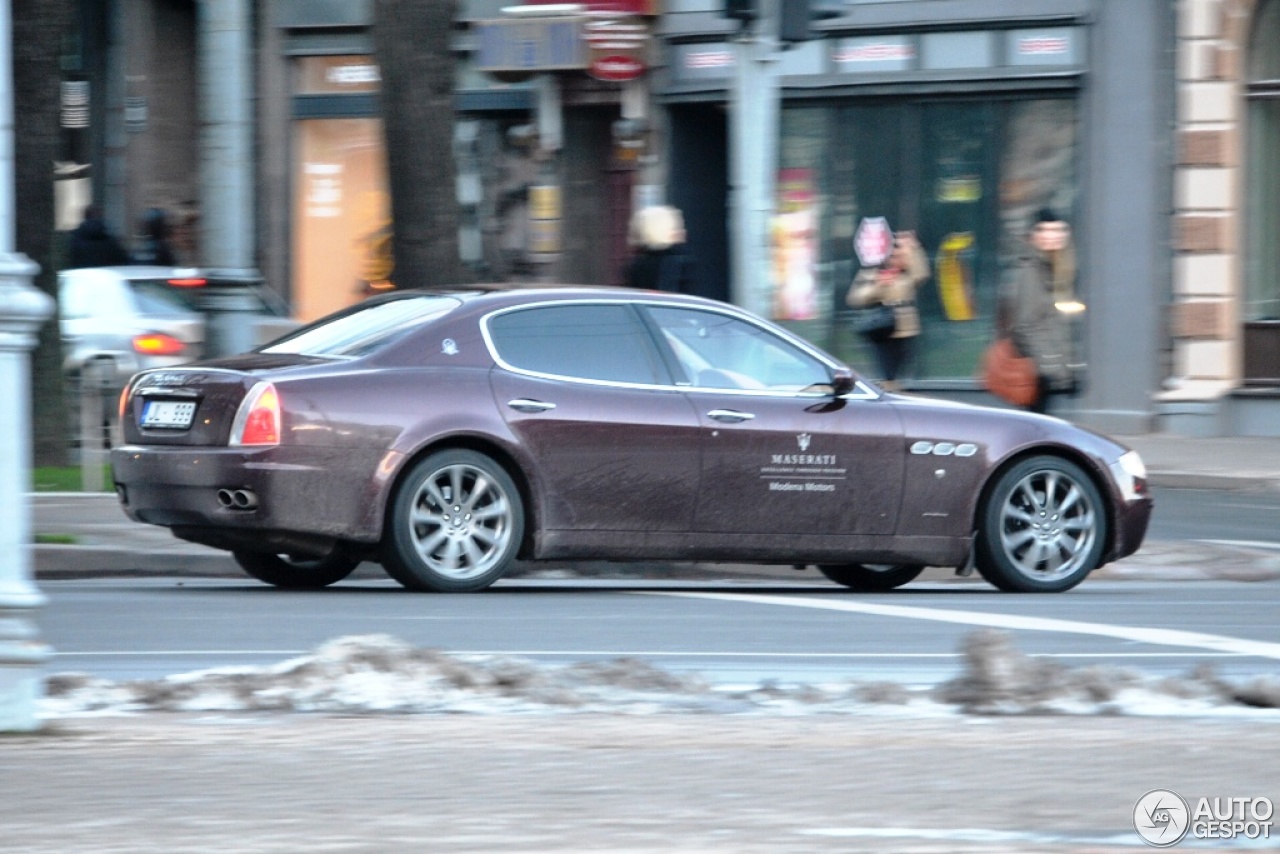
(22, 310)
(226, 145)
(753, 141)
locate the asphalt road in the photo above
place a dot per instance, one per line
(728, 632)
(1214, 514)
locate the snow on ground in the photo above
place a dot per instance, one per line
(380, 674)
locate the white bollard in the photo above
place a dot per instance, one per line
(22, 310)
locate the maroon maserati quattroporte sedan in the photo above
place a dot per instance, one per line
(446, 435)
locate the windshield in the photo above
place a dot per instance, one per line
(365, 329)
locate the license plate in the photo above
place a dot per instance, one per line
(168, 414)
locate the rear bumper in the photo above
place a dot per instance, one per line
(303, 495)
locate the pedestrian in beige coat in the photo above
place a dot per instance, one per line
(894, 283)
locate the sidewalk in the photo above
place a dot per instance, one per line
(104, 542)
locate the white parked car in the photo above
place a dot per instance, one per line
(129, 318)
(126, 319)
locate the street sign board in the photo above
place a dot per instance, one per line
(873, 241)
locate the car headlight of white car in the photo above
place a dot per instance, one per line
(1131, 475)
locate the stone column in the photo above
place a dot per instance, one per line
(22, 309)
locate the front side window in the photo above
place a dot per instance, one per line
(603, 342)
(719, 351)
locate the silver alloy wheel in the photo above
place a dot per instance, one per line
(461, 522)
(1048, 525)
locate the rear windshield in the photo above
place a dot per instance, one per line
(365, 329)
(158, 298)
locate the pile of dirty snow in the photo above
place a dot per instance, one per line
(380, 674)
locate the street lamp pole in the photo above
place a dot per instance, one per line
(753, 148)
(23, 309)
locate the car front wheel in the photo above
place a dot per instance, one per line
(297, 573)
(1043, 528)
(871, 577)
(455, 524)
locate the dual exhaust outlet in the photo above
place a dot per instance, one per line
(238, 499)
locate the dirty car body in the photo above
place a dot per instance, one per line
(446, 435)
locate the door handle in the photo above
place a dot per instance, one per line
(521, 404)
(730, 416)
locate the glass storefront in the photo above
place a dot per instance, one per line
(966, 176)
(341, 203)
(342, 214)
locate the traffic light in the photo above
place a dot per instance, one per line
(743, 10)
(796, 16)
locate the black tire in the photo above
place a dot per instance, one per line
(297, 573)
(871, 577)
(1043, 528)
(454, 525)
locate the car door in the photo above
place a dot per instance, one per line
(780, 454)
(584, 390)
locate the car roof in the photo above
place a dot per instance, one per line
(504, 295)
(129, 272)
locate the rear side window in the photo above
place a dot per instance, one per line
(592, 342)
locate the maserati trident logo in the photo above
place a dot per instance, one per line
(803, 441)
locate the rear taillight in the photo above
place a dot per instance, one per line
(188, 283)
(157, 344)
(258, 419)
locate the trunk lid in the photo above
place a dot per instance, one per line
(193, 405)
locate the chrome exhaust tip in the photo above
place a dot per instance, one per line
(238, 499)
(245, 499)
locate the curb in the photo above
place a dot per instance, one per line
(1162, 561)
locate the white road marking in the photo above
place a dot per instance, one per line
(972, 835)
(1245, 544)
(634, 653)
(1159, 637)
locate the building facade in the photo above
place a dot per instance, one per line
(1225, 318)
(1151, 126)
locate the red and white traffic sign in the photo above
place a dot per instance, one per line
(873, 241)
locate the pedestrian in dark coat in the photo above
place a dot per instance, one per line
(1037, 312)
(154, 247)
(92, 245)
(661, 262)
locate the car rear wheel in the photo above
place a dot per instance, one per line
(1043, 528)
(297, 573)
(870, 577)
(455, 524)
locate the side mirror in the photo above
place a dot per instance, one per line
(842, 381)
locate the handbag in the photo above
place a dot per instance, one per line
(876, 322)
(1008, 374)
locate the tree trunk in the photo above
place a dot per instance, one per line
(411, 44)
(38, 30)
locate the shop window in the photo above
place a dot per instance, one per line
(342, 214)
(967, 177)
